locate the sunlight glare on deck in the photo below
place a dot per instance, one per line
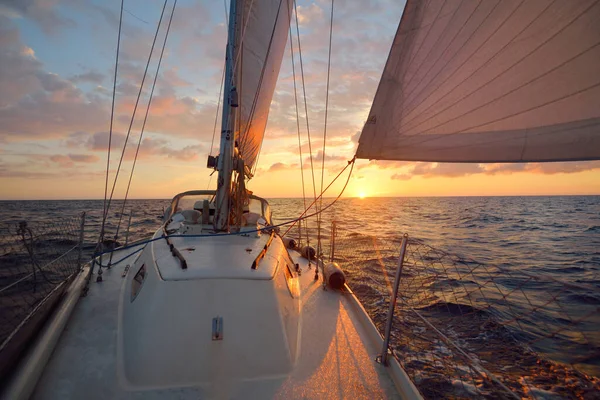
(345, 370)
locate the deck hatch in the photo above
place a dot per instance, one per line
(217, 328)
(137, 282)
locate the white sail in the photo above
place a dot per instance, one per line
(262, 34)
(489, 81)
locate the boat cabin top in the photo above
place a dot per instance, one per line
(197, 207)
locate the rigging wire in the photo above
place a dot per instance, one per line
(350, 163)
(319, 217)
(135, 16)
(134, 111)
(305, 105)
(299, 136)
(212, 142)
(112, 115)
(302, 216)
(146, 117)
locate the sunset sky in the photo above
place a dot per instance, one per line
(56, 71)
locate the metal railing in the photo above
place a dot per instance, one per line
(37, 261)
(465, 329)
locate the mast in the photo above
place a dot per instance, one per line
(225, 162)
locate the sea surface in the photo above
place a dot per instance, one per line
(553, 237)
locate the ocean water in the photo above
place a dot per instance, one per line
(555, 237)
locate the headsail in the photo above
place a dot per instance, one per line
(489, 81)
(261, 40)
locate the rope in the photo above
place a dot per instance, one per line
(302, 216)
(351, 162)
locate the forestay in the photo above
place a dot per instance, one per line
(489, 81)
(261, 38)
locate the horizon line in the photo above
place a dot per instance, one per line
(328, 197)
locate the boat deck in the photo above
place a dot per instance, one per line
(336, 357)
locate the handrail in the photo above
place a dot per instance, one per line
(264, 203)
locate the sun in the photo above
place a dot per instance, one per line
(362, 195)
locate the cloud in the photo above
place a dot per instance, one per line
(69, 108)
(83, 158)
(70, 159)
(35, 103)
(98, 141)
(384, 164)
(88, 77)
(401, 177)
(328, 157)
(43, 12)
(279, 166)
(453, 170)
(542, 168)
(153, 147)
(150, 146)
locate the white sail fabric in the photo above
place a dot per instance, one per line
(489, 81)
(263, 27)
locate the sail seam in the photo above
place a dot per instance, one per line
(512, 91)
(474, 72)
(440, 36)
(410, 110)
(407, 125)
(433, 64)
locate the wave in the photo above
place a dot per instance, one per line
(445, 307)
(565, 270)
(584, 298)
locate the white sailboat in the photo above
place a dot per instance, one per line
(215, 306)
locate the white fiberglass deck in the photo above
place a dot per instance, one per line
(336, 359)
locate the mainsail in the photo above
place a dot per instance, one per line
(489, 81)
(262, 32)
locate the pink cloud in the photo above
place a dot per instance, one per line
(429, 170)
(69, 160)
